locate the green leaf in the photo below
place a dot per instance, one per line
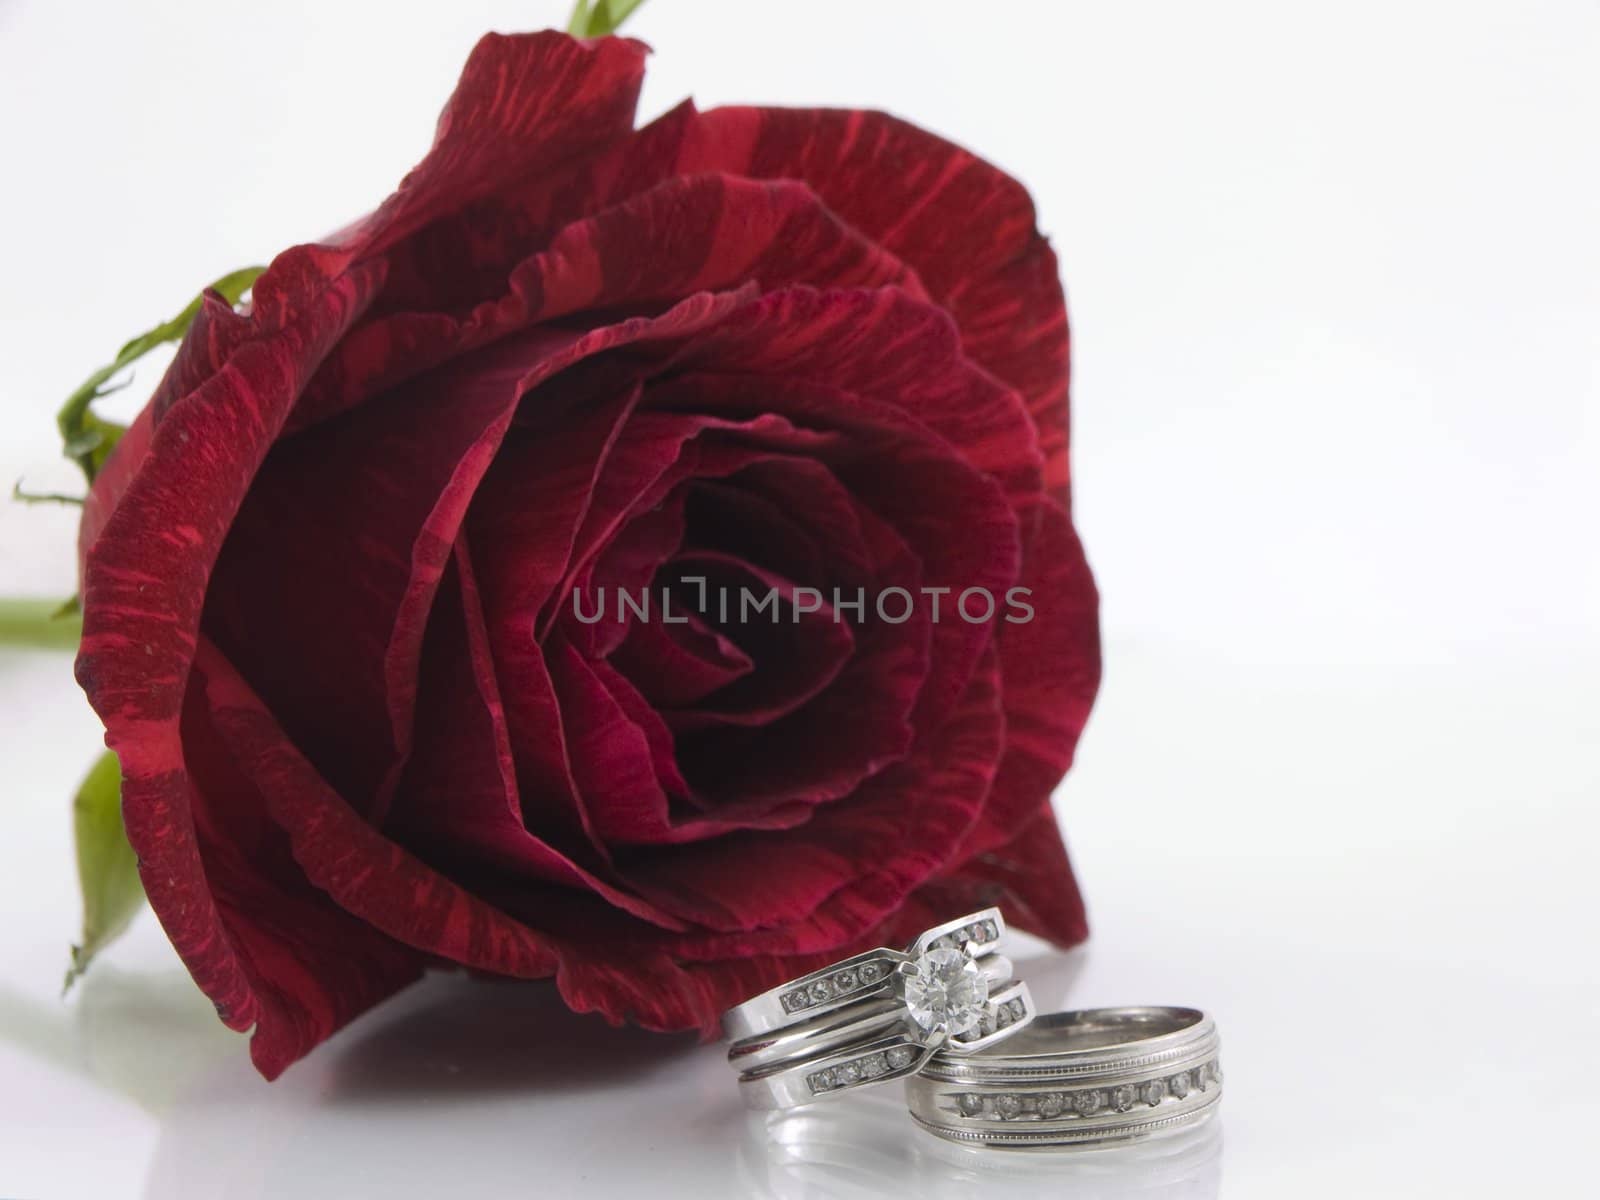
(88, 439)
(40, 624)
(108, 872)
(601, 17)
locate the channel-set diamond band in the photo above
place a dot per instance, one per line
(1091, 1078)
(981, 1069)
(878, 1016)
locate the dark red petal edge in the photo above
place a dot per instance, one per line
(144, 585)
(966, 227)
(1050, 668)
(525, 103)
(366, 874)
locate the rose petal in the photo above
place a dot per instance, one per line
(529, 514)
(588, 472)
(613, 762)
(625, 566)
(216, 332)
(857, 363)
(112, 480)
(964, 226)
(658, 738)
(651, 456)
(1030, 879)
(144, 582)
(524, 104)
(327, 624)
(819, 885)
(623, 762)
(311, 966)
(705, 233)
(675, 665)
(791, 515)
(889, 348)
(1050, 666)
(813, 719)
(796, 656)
(365, 872)
(458, 807)
(634, 518)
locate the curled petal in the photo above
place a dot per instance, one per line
(144, 583)
(828, 881)
(525, 103)
(966, 228)
(366, 873)
(1050, 665)
(687, 235)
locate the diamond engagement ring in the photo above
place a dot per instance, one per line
(1093, 1078)
(878, 1016)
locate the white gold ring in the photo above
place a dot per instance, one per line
(878, 1016)
(1092, 1078)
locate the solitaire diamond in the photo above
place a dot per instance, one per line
(948, 990)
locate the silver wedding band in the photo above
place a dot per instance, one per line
(1093, 1078)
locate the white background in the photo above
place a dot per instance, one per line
(1334, 275)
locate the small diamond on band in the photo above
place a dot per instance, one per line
(834, 986)
(868, 1066)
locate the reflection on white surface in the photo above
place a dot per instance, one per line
(464, 1083)
(869, 1148)
(498, 1088)
(1181, 1166)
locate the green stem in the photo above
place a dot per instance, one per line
(39, 624)
(86, 437)
(599, 18)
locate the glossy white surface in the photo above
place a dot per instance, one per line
(1403, 1012)
(1335, 283)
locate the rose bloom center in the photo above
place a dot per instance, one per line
(949, 990)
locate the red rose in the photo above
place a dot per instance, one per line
(329, 574)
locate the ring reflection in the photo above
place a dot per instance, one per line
(870, 1148)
